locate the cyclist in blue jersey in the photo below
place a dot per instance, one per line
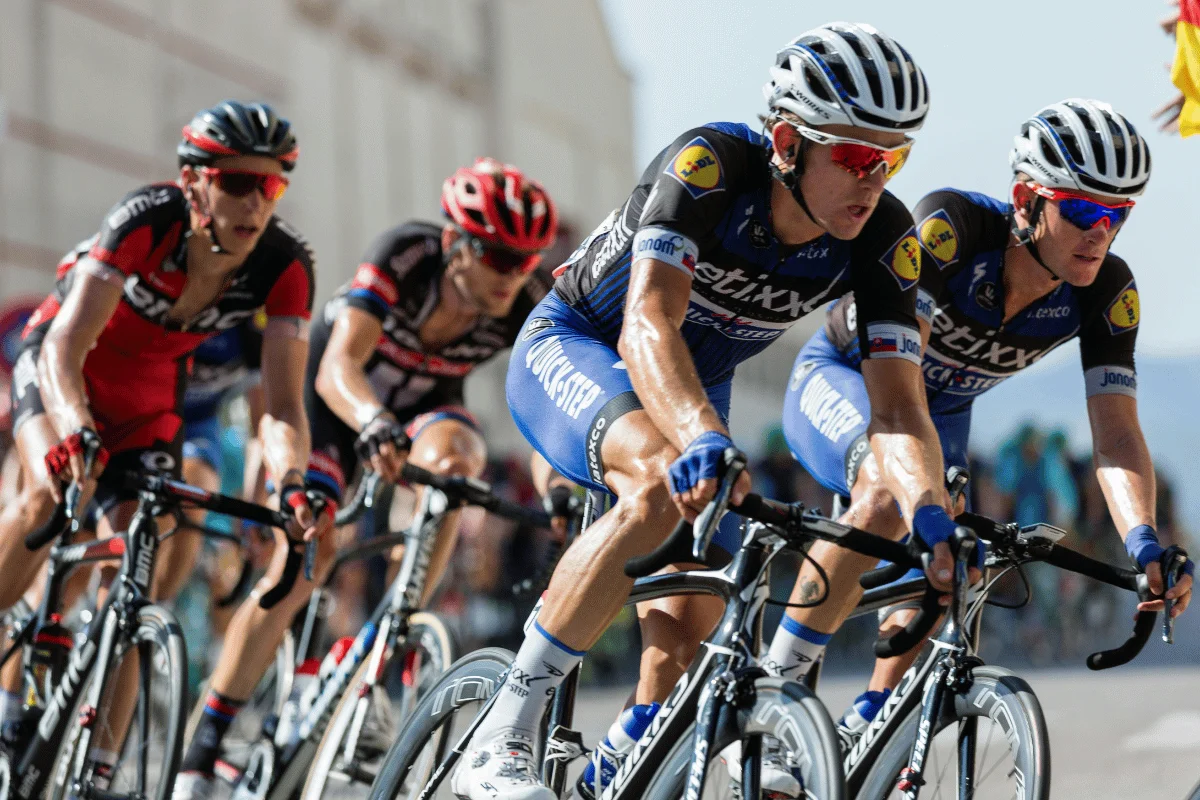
(621, 376)
(1003, 284)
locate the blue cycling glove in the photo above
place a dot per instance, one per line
(701, 459)
(934, 526)
(1142, 545)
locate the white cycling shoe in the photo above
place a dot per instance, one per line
(192, 786)
(502, 768)
(775, 777)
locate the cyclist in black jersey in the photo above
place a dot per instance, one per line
(621, 375)
(1003, 285)
(385, 377)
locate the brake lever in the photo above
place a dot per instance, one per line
(705, 527)
(1172, 561)
(75, 490)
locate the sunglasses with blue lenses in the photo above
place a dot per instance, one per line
(1085, 213)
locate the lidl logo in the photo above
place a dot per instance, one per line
(697, 168)
(1125, 312)
(939, 239)
(904, 260)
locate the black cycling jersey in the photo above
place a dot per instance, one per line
(971, 347)
(703, 206)
(399, 281)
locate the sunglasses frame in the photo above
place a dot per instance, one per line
(1057, 195)
(264, 178)
(820, 137)
(530, 261)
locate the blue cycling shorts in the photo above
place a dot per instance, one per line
(826, 412)
(566, 387)
(202, 440)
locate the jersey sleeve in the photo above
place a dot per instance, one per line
(289, 303)
(691, 188)
(885, 266)
(129, 234)
(1108, 331)
(945, 220)
(376, 284)
(252, 336)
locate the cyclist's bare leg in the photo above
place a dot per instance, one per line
(589, 587)
(33, 507)
(177, 555)
(446, 447)
(873, 509)
(889, 671)
(255, 632)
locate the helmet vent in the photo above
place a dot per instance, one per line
(816, 84)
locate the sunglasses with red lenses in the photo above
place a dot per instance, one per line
(860, 158)
(506, 262)
(1084, 212)
(240, 183)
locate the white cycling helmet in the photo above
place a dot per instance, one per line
(845, 73)
(1083, 145)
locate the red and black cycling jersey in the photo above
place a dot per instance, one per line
(971, 348)
(136, 371)
(704, 206)
(400, 282)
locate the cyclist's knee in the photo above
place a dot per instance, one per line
(36, 504)
(449, 447)
(874, 509)
(646, 507)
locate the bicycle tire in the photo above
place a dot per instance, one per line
(155, 626)
(786, 710)
(995, 694)
(472, 679)
(426, 630)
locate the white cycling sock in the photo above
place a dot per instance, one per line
(542, 663)
(794, 649)
(104, 760)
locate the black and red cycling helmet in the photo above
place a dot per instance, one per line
(497, 204)
(231, 128)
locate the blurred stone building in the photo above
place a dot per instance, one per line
(388, 97)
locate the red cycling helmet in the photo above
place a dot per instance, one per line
(496, 203)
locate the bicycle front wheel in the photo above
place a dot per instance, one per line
(153, 662)
(789, 718)
(368, 718)
(999, 721)
(437, 723)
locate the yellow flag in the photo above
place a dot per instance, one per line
(1185, 73)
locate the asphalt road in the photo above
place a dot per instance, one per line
(1127, 733)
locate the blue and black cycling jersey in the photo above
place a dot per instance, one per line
(961, 295)
(703, 206)
(221, 365)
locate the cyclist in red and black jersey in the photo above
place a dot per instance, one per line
(105, 357)
(390, 353)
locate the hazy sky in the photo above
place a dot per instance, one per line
(989, 66)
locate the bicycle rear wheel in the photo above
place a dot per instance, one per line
(368, 719)
(153, 746)
(787, 713)
(1011, 745)
(437, 723)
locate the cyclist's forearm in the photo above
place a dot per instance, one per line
(665, 380)
(60, 378)
(345, 389)
(905, 444)
(285, 442)
(1126, 475)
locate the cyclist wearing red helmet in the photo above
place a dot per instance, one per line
(390, 353)
(105, 357)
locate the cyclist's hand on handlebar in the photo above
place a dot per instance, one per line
(934, 526)
(692, 478)
(307, 523)
(562, 505)
(66, 461)
(1181, 592)
(384, 444)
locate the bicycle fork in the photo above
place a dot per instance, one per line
(910, 778)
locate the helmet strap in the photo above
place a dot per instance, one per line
(791, 180)
(1024, 235)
